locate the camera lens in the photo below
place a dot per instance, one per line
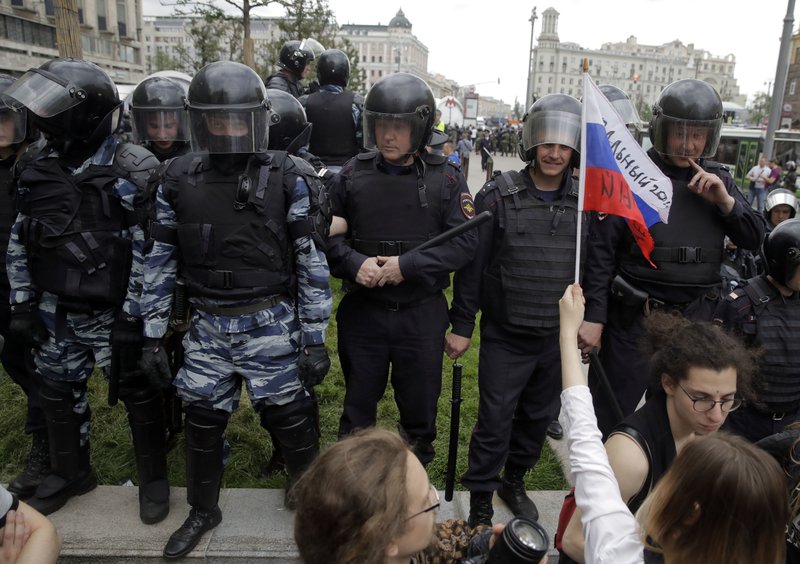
(522, 541)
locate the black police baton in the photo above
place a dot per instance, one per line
(605, 384)
(445, 236)
(455, 423)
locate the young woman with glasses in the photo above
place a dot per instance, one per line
(722, 500)
(698, 375)
(368, 500)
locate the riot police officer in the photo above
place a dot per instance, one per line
(394, 315)
(780, 205)
(158, 117)
(336, 114)
(73, 260)
(294, 59)
(235, 222)
(525, 258)
(706, 206)
(16, 136)
(765, 312)
(621, 102)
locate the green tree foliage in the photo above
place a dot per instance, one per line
(759, 108)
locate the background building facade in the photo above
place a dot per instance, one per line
(111, 36)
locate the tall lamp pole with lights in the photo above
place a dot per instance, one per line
(529, 90)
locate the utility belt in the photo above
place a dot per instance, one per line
(245, 309)
(384, 248)
(776, 412)
(633, 302)
(398, 306)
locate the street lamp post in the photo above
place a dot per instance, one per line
(529, 91)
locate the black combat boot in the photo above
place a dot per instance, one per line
(480, 509)
(512, 491)
(204, 451)
(37, 467)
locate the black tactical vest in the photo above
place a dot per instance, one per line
(777, 322)
(535, 260)
(333, 137)
(688, 249)
(392, 214)
(232, 229)
(72, 232)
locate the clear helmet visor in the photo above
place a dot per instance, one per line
(226, 131)
(400, 134)
(44, 93)
(678, 137)
(159, 126)
(12, 126)
(626, 111)
(552, 127)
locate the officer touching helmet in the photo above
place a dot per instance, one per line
(393, 198)
(336, 114)
(159, 118)
(765, 312)
(525, 258)
(706, 206)
(294, 59)
(74, 263)
(234, 220)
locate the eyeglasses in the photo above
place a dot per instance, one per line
(433, 497)
(703, 405)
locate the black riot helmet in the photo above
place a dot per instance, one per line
(333, 67)
(14, 127)
(70, 100)
(622, 103)
(555, 118)
(399, 97)
(295, 55)
(289, 129)
(782, 251)
(157, 111)
(228, 109)
(687, 120)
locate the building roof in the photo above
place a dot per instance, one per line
(400, 20)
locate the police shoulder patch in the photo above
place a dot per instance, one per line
(467, 205)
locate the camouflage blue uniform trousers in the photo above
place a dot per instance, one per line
(260, 348)
(84, 341)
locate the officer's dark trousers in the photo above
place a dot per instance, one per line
(411, 340)
(626, 369)
(17, 361)
(519, 379)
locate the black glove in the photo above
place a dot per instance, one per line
(155, 363)
(314, 364)
(126, 348)
(26, 324)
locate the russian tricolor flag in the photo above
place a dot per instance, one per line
(617, 177)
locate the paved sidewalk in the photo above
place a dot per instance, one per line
(103, 526)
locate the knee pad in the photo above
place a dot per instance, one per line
(293, 424)
(205, 427)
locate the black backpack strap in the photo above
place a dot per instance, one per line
(640, 496)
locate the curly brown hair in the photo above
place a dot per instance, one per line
(675, 344)
(351, 499)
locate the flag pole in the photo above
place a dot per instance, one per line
(581, 175)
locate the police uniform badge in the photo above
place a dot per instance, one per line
(467, 205)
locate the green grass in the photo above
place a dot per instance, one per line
(112, 454)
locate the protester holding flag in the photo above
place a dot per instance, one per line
(525, 258)
(650, 264)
